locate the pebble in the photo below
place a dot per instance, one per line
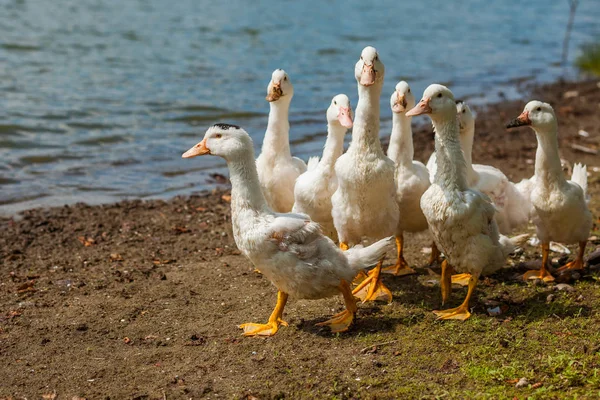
(594, 258)
(522, 383)
(550, 298)
(564, 287)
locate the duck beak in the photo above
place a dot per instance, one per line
(367, 76)
(275, 92)
(345, 117)
(421, 108)
(521, 120)
(198, 150)
(399, 104)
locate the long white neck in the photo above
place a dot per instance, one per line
(466, 143)
(365, 133)
(334, 145)
(277, 136)
(547, 160)
(245, 187)
(451, 166)
(401, 149)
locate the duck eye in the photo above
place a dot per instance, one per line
(335, 102)
(218, 136)
(539, 108)
(439, 95)
(408, 90)
(285, 79)
(463, 111)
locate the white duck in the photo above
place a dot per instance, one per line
(560, 212)
(412, 178)
(461, 219)
(364, 204)
(277, 169)
(315, 187)
(511, 206)
(289, 249)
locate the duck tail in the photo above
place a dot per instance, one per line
(579, 176)
(360, 257)
(509, 244)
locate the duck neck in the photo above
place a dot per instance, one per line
(245, 187)
(547, 160)
(451, 166)
(365, 133)
(401, 149)
(466, 143)
(334, 145)
(277, 140)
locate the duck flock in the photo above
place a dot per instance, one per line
(288, 215)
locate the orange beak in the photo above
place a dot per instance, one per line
(399, 104)
(198, 150)
(345, 117)
(367, 76)
(521, 120)
(421, 108)
(275, 92)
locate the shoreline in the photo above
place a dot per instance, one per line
(423, 146)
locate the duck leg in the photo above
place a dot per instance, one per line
(446, 281)
(542, 273)
(461, 312)
(371, 288)
(434, 258)
(341, 322)
(401, 267)
(578, 262)
(271, 327)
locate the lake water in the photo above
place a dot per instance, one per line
(99, 99)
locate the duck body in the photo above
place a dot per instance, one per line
(361, 204)
(277, 169)
(559, 206)
(315, 187)
(288, 248)
(364, 204)
(461, 219)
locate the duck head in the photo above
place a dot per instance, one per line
(223, 140)
(340, 111)
(279, 86)
(369, 69)
(536, 114)
(437, 101)
(466, 119)
(402, 99)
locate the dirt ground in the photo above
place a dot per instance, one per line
(141, 300)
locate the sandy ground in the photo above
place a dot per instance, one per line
(141, 300)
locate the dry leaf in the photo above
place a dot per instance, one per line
(26, 287)
(226, 198)
(49, 396)
(180, 229)
(201, 209)
(87, 242)
(536, 385)
(116, 257)
(126, 340)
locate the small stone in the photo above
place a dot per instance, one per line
(522, 383)
(550, 298)
(564, 287)
(594, 258)
(579, 298)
